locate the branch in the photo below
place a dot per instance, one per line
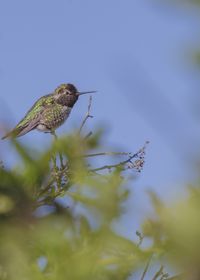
(88, 135)
(87, 116)
(158, 273)
(146, 268)
(137, 164)
(61, 174)
(141, 238)
(108, 154)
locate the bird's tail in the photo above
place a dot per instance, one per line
(12, 134)
(4, 137)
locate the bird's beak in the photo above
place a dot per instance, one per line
(85, 92)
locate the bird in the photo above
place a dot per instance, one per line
(49, 112)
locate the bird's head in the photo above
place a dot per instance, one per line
(69, 94)
(67, 89)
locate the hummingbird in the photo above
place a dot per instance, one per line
(48, 112)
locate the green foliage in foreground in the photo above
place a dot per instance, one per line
(63, 244)
(69, 244)
(175, 231)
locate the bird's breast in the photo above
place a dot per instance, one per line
(52, 118)
(60, 116)
(66, 111)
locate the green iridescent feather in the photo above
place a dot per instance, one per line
(36, 109)
(30, 119)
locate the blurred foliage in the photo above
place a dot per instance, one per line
(57, 220)
(175, 231)
(63, 243)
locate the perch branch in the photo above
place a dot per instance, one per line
(60, 155)
(87, 116)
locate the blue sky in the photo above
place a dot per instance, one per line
(136, 53)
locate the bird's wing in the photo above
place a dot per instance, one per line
(31, 119)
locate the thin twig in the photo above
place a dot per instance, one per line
(141, 238)
(88, 135)
(60, 155)
(146, 268)
(107, 154)
(87, 116)
(138, 164)
(114, 165)
(164, 276)
(54, 162)
(46, 188)
(158, 273)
